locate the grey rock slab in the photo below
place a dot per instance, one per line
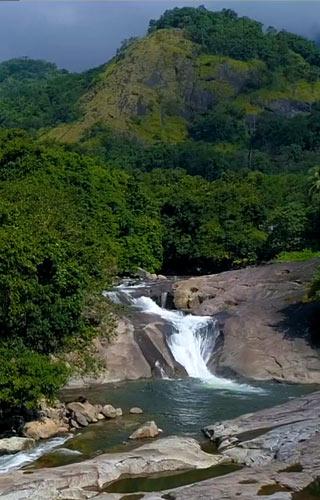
(301, 409)
(263, 320)
(88, 478)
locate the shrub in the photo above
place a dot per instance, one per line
(26, 376)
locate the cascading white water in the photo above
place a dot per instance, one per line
(13, 462)
(192, 340)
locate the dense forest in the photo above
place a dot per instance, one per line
(239, 185)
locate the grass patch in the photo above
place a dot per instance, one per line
(298, 256)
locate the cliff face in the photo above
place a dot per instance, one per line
(158, 83)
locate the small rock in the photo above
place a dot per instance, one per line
(147, 430)
(43, 429)
(15, 444)
(74, 424)
(135, 410)
(109, 411)
(101, 416)
(119, 412)
(63, 429)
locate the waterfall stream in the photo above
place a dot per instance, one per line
(192, 339)
(12, 462)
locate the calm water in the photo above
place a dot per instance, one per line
(177, 406)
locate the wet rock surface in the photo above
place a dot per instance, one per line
(147, 430)
(265, 324)
(303, 409)
(89, 478)
(280, 463)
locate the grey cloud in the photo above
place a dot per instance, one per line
(79, 35)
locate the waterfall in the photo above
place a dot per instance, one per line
(192, 339)
(164, 297)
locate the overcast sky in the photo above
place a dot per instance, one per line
(79, 34)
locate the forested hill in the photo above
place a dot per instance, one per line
(197, 67)
(205, 91)
(195, 149)
(36, 94)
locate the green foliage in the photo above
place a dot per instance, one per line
(41, 296)
(35, 94)
(225, 125)
(224, 33)
(26, 377)
(286, 227)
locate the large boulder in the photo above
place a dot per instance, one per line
(86, 479)
(15, 444)
(43, 429)
(86, 409)
(265, 324)
(121, 357)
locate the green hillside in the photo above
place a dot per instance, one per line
(192, 61)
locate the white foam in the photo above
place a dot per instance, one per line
(191, 342)
(18, 460)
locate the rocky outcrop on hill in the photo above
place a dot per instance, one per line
(88, 478)
(266, 328)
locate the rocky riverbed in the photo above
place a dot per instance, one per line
(279, 449)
